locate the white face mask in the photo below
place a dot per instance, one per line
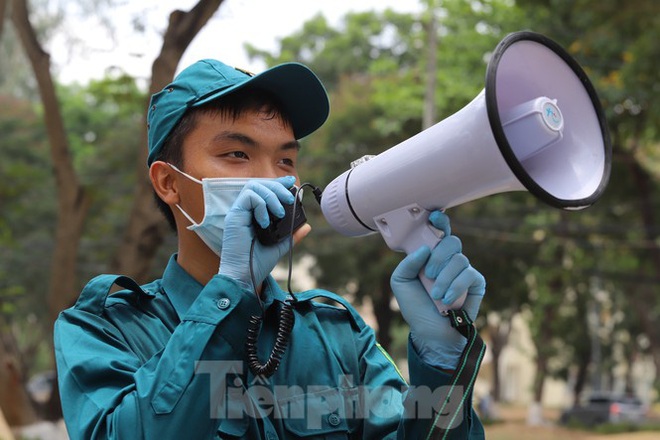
(220, 193)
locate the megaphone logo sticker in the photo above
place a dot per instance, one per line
(552, 116)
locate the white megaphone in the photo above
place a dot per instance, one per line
(536, 126)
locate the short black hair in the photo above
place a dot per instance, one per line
(233, 105)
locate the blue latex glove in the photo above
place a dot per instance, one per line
(432, 335)
(255, 200)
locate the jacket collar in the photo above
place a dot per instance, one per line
(182, 289)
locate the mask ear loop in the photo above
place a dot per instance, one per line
(190, 219)
(184, 173)
(186, 215)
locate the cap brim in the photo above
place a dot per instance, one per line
(299, 90)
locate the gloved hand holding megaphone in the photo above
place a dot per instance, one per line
(536, 126)
(452, 280)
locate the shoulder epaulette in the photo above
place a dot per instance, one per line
(316, 293)
(94, 294)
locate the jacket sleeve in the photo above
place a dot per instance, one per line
(107, 391)
(423, 405)
(393, 409)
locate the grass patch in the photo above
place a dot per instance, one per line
(623, 427)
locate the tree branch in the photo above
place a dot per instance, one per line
(146, 226)
(72, 198)
(3, 11)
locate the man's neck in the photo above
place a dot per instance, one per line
(200, 262)
(197, 259)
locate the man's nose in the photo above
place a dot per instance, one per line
(271, 171)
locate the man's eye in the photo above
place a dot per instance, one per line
(238, 155)
(288, 162)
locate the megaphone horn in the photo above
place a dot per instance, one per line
(536, 126)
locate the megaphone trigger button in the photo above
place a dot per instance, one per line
(438, 232)
(383, 227)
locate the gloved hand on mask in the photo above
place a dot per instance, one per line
(256, 200)
(432, 335)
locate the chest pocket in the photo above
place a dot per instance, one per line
(326, 413)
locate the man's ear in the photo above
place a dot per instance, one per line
(164, 182)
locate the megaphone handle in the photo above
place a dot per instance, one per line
(408, 228)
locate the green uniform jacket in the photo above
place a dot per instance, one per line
(166, 361)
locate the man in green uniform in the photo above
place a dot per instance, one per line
(172, 359)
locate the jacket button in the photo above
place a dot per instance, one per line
(334, 419)
(223, 303)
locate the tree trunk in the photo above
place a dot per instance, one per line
(72, 198)
(539, 379)
(535, 412)
(3, 12)
(499, 337)
(146, 226)
(72, 207)
(630, 377)
(5, 431)
(496, 391)
(544, 335)
(15, 403)
(581, 377)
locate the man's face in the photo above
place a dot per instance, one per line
(253, 145)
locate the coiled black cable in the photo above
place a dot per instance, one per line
(281, 341)
(287, 319)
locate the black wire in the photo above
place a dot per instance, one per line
(317, 195)
(293, 216)
(253, 278)
(254, 328)
(285, 326)
(281, 341)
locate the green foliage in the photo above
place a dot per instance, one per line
(27, 218)
(547, 263)
(616, 43)
(102, 122)
(26, 205)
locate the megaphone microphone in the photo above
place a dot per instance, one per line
(536, 126)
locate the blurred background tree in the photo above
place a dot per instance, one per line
(141, 227)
